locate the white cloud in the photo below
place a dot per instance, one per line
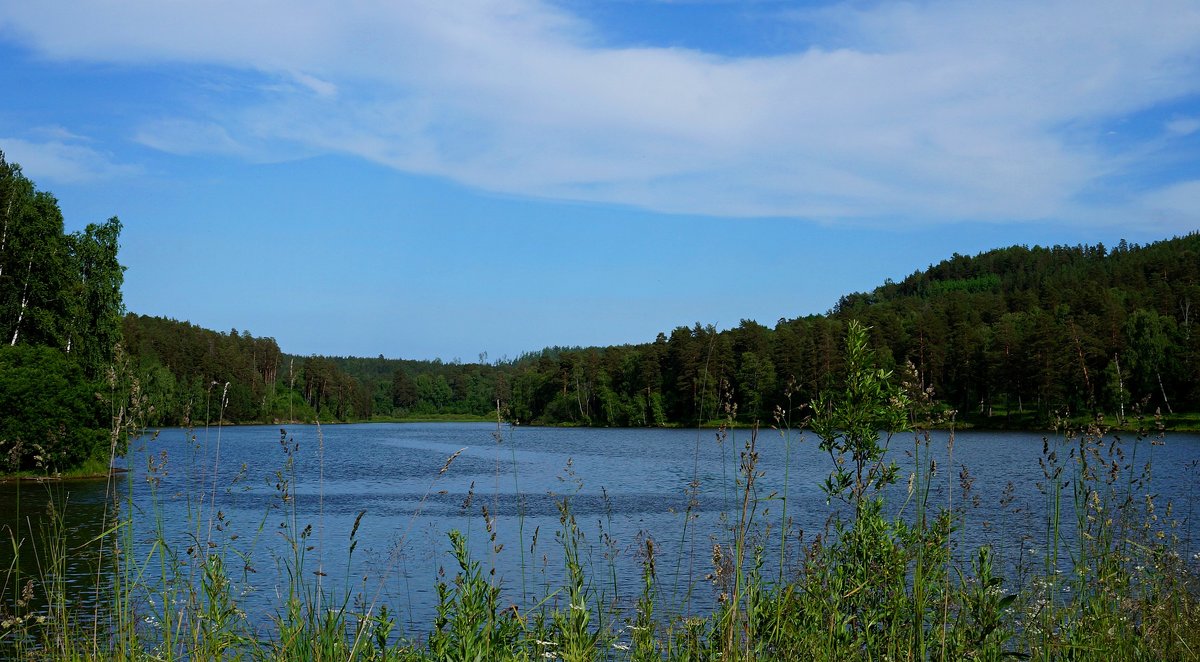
(60, 161)
(182, 136)
(1183, 126)
(1176, 207)
(940, 110)
(321, 88)
(57, 133)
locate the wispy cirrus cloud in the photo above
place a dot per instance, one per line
(61, 156)
(931, 111)
(1176, 205)
(1183, 126)
(187, 136)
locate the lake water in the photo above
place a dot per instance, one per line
(220, 488)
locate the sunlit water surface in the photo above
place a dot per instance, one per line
(223, 489)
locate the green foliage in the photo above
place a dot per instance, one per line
(1151, 342)
(95, 309)
(56, 289)
(1019, 330)
(404, 392)
(55, 419)
(189, 373)
(35, 267)
(849, 420)
(981, 283)
(60, 309)
(433, 391)
(469, 625)
(578, 640)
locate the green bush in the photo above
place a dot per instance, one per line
(54, 418)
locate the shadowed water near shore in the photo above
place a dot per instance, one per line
(72, 514)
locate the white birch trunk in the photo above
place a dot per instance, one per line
(20, 316)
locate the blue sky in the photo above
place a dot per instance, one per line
(434, 179)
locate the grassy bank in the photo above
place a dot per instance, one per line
(433, 418)
(95, 469)
(997, 419)
(885, 580)
(1033, 421)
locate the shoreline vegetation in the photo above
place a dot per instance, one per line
(74, 475)
(1177, 422)
(1114, 576)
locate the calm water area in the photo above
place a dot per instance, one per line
(222, 489)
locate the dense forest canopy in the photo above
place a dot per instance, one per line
(60, 322)
(1010, 336)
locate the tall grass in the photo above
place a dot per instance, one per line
(890, 578)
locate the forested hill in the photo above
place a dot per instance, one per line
(1078, 328)
(1008, 337)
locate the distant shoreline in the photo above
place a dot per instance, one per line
(1183, 422)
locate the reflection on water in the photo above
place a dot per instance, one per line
(223, 489)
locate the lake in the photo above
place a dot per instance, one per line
(223, 489)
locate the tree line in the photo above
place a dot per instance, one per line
(1012, 336)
